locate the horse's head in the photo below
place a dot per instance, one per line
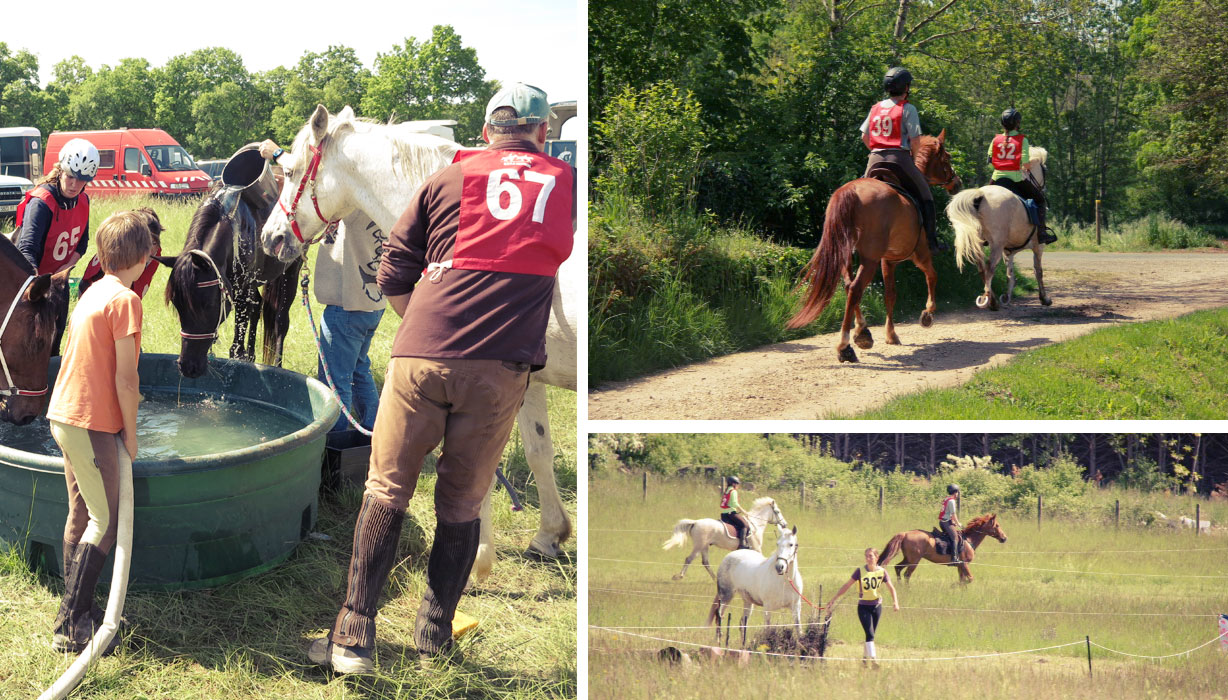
(786, 550)
(200, 295)
(1035, 166)
(934, 161)
(25, 343)
(313, 195)
(987, 525)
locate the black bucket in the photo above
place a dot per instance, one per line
(248, 171)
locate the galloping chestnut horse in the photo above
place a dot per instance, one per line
(918, 544)
(871, 218)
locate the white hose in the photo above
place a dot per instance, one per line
(119, 587)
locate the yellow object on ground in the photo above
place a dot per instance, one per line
(462, 624)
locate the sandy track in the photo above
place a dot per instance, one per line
(802, 379)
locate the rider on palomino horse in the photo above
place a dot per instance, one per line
(733, 513)
(948, 521)
(1008, 152)
(890, 131)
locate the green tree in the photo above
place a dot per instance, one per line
(113, 97)
(22, 101)
(184, 79)
(435, 79)
(335, 78)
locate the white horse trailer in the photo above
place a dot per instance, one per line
(21, 152)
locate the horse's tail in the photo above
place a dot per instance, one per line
(682, 530)
(964, 213)
(826, 267)
(890, 549)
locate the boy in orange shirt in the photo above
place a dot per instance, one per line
(93, 418)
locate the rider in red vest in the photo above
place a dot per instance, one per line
(1008, 152)
(732, 512)
(948, 520)
(93, 271)
(890, 131)
(53, 220)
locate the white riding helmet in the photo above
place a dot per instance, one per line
(80, 158)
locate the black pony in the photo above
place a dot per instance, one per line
(222, 266)
(28, 309)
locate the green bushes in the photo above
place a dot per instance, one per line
(1152, 232)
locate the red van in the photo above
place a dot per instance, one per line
(134, 160)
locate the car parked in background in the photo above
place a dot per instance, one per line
(135, 161)
(213, 168)
(12, 190)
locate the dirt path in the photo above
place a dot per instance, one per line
(801, 379)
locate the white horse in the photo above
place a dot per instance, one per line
(773, 583)
(993, 215)
(374, 169)
(707, 532)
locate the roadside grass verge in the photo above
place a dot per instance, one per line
(668, 291)
(1153, 232)
(1036, 590)
(248, 639)
(1172, 369)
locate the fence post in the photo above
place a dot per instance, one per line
(802, 497)
(1088, 639)
(1097, 222)
(1197, 518)
(1117, 513)
(880, 501)
(645, 484)
(1039, 509)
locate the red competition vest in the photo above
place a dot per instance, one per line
(93, 273)
(725, 498)
(65, 232)
(1007, 152)
(886, 125)
(515, 213)
(943, 509)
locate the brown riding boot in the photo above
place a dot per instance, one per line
(452, 555)
(348, 648)
(75, 623)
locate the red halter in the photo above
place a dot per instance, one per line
(309, 176)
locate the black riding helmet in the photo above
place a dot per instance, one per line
(1011, 119)
(897, 80)
(733, 481)
(953, 489)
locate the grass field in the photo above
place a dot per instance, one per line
(248, 639)
(1038, 590)
(1170, 369)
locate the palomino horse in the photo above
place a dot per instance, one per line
(346, 165)
(706, 532)
(918, 544)
(994, 216)
(871, 218)
(27, 329)
(770, 582)
(221, 266)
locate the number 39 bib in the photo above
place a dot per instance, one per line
(886, 125)
(515, 212)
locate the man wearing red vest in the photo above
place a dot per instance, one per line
(470, 269)
(1008, 152)
(890, 131)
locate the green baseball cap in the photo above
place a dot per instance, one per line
(528, 101)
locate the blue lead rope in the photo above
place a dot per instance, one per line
(305, 283)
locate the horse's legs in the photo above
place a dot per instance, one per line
(1010, 279)
(1037, 250)
(687, 562)
(908, 571)
(278, 299)
(931, 287)
(852, 304)
(485, 560)
(534, 421)
(747, 607)
(889, 298)
(704, 558)
(987, 300)
(965, 575)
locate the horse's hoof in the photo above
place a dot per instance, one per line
(1006, 301)
(864, 340)
(927, 319)
(677, 577)
(536, 552)
(982, 302)
(846, 354)
(893, 339)
(1046, 301)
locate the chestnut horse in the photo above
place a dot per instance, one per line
(27, 328)
(918, 544)
(871, 218)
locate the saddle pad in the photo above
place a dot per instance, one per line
(730, 530)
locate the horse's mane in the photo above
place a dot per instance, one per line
(209, 215)
(760, 502)
(977, 522)
(1036, 153)
(929, 146)
(10, 252)
(416, 155)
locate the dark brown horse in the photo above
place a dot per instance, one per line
(916, 545)
(28, 309)
(874, 220)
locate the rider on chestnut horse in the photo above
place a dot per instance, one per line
(1008, 152)
(733, 513)
(948, 520)
(890, 131)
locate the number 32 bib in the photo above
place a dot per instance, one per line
(515, 212)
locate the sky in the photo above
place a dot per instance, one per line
(540, 42)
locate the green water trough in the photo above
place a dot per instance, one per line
(199, 521)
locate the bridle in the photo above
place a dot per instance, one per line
(12, 389)
(226, 301)
(309, 177)
(788, 561)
